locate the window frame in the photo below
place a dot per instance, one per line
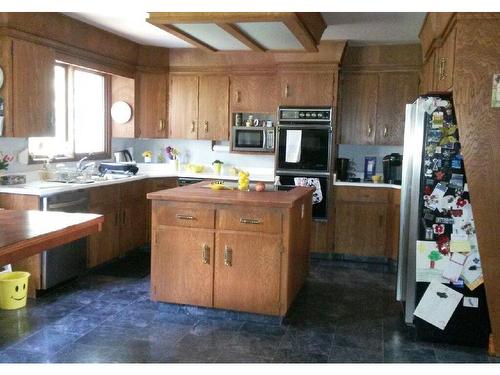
(106, 154)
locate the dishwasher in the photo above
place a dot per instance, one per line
(64, 262)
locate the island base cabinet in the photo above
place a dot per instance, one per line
(246, 274)
(182, 266)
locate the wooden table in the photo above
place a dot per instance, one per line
(26, 233)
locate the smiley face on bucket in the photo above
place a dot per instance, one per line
(18, 293)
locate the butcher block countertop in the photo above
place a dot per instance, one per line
(201, 193)
(26, 233)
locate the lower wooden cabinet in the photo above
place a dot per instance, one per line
(103, 246)
(183, 266)
(367, 221)
(245, 276)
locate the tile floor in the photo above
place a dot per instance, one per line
(345, 313)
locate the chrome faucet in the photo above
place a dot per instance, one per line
(79, 164)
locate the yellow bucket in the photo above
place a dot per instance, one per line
(13, 290)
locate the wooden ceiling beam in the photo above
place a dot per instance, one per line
(302, 34)
(185, 37)
(215, 17)
(237, 33)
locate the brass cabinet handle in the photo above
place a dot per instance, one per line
(249, 221)
(205, 254)
(286, 90)
(238, 96)
(185, 217)
(123, 218)
(442, 68)
(160, 125)
(369, 130)
(193, 123)
(206, 126)
(116, 218)
(385, 131)
(228, 256)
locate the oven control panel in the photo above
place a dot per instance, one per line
(305, 114)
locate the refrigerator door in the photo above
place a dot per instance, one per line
(410, 192)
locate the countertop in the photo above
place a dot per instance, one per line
(367, 184)
(26, 233)
(200, 193)
(44, 188)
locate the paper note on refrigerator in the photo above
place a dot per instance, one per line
(454, 267)
(438, 304)
(472, 272)
(293, 146)
(430, 262)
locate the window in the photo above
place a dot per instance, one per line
(80, 116)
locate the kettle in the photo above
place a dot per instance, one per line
(123, 156)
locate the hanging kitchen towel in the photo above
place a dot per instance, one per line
(293, 146)
(311, 182)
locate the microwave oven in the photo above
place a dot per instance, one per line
(253, 139)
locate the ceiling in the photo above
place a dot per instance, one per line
(357, 28)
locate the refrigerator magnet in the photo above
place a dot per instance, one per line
(438, 228)
(439, 175)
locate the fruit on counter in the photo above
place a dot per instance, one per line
(243, 180)
(260, 186)
(196, 168)
(217, 185)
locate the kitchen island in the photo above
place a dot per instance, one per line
(235, 250)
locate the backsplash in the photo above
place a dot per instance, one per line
(357, 153)
(191, 151)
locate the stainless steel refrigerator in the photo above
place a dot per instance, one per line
(436, 213)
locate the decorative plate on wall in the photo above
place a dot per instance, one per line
(121, 112)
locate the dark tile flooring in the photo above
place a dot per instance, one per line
(345, 313)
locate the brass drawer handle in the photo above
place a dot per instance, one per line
(205, 254)
(185, 217)
(228, 256)
(249, 221)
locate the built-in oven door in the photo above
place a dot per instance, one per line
(249, 139)
(319, 209)
(315, 149)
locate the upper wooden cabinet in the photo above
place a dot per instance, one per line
(358, 108)
(427, 76)
(199, 107)
(213, 103)
(373, 106)
(254, 93)
(445, 61)
(306, 89)
(28, 90)
(395, 90)
(122, 89)
(151, 104)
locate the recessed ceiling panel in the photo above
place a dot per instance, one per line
(271, 35)
(213, 35)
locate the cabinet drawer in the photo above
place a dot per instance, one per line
(249, 219)
(104, 195)
(191, 215)
(362, 194)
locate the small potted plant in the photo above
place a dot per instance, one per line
(5, 159)
(217, 166)
(173, 154)
(147, 155)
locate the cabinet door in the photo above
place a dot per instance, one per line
(445, 63)
(358, 108)
(122, 89)
(254, 93)
(214, 108)
(427, 76)
(182, 266)
(104, 245)
(307, 89)
(32, 90)
(133, 224)
(360, 228)
(151, 94)
(395, 90)
(246, 272)
(183, 108)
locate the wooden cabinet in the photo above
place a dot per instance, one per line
(395, 90)
(122, 89)
(358, 108)
(241, 260)
(151, 90)
(104, 246)
(445, 61)
(306, 89)
(199, 107)
(427, 76)
(254, 93)
(366, 221)
(373, 106)
(183, 266)
(28, 90)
